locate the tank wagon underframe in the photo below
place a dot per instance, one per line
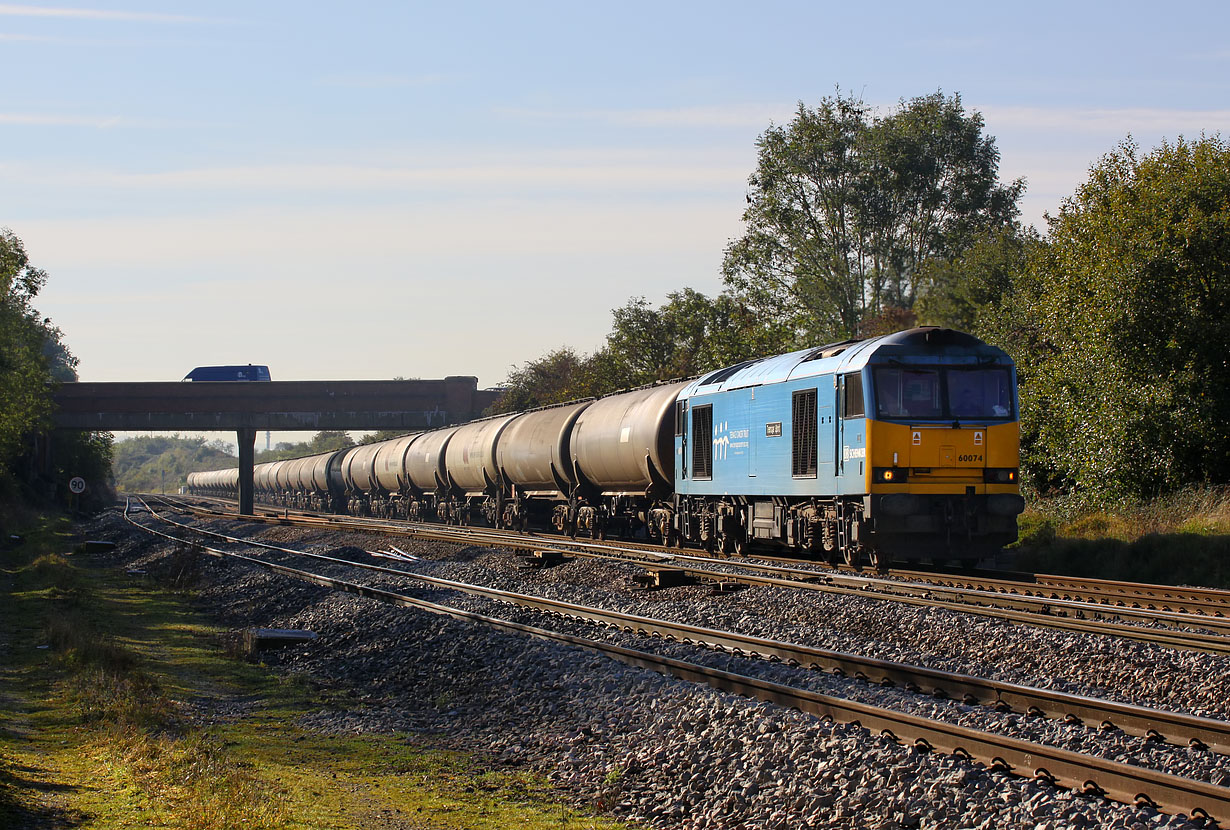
(902, 446)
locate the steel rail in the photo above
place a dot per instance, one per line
(1057, 614)
(1133, 590)
(1089, 774)
(1171, 727)
(1190, 601)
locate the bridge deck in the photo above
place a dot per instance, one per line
(248, 406)
(281, 405)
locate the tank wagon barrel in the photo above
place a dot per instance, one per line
(534, 462)
(473, 474)
(359, 478)
(389, 468)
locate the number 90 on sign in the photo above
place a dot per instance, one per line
(76, 485)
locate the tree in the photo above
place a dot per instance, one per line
(1122, 325)
(323, 441)
(147, 463)
(25, 402)
(846, 208)
(688, 335)
(556, 377)
(383, 434)
(966, 292)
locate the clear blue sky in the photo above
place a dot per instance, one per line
(375, 189)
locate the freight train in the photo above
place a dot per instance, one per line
(904, 446)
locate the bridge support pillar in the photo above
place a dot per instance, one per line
(247, 457)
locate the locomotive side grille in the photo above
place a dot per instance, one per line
(803, 434)
(702, 442)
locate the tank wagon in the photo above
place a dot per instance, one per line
(901, 446)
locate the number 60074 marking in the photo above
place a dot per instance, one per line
(969, 457)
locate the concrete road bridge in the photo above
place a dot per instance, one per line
(247, 407)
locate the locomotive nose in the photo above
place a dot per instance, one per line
(948, 447)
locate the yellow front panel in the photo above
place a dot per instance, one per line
(941, 458)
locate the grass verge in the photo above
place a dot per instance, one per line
(120, 707)
(1183, 539)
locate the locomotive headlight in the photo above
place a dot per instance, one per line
(999, 476)
(889, 475)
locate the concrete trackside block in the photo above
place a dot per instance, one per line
(542, 558)
(96, 546)
(664, 578)
(259, 639)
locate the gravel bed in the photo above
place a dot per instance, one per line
(1115, 745)
(1088, 664)
(674, 754)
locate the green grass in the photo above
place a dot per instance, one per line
(107, 696)
(1183, 539)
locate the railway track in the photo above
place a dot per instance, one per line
(1190, 631)
(1195, 601)
(1085, 773)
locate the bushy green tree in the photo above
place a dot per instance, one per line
(323, 441)
(33, 356)
(25, 401)
(558, 376)
(846, 208)
(687, 335)
(1121, 325)
(383, 435)
(966, 292)
(150, 463)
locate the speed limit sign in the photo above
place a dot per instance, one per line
(76, 485)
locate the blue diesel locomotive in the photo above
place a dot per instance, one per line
(904, 445)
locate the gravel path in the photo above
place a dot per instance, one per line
(673, 754)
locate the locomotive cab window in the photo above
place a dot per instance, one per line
(852, 401)
(950, 393)
(803, 434)
(979, 393)
(702, 441)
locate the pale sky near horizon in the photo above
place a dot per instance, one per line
(382, 189)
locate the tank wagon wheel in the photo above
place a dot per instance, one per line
(734, 542)
(879, 559)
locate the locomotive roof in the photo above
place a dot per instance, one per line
(926, 344)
